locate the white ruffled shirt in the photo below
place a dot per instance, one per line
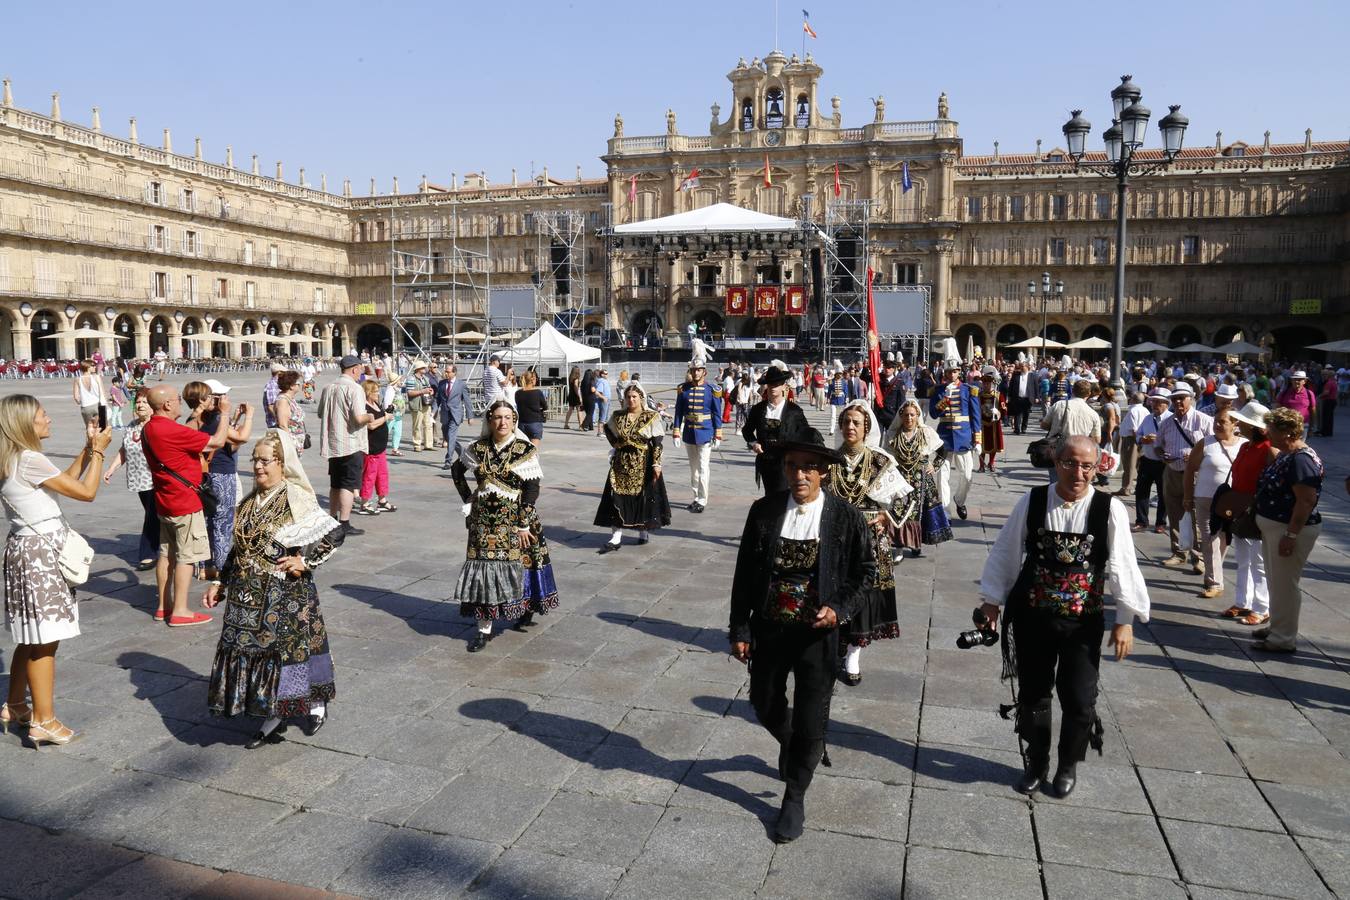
(1124, 582)
(802, 522)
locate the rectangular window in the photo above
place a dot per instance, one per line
(1285, 241)
(1056, 249)
(88, 273)
(84, 226)
(1317, 240)
(1284, 291)
(125, 278)
(44, 273)
(646, 276)
(248, 253)
(1017, 208)
(250, 293)
(1190, 248)
(318, 299)
(1099, 290)
(192, 243)
(42, 218)
(1237, 243)
(159, 285)
(1011, 291)
(1102, 205)
(906, 273)
(970, 290)
(1143, 290)
(222, 288)
(1101, 251)
(1190, 290)
(1146, 205)
(187, 200)
(1233, 294)
(38, 161)
(272, 255)
(4, 272)
(360, 231)
(1059, 206)
(159, 237)
(974, 208)
(223, 207)
(154, 193)
(124, 231)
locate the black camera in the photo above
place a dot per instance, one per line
(982, 635)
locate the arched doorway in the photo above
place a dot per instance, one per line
(412, 335)
(1290, 342)
(6, 335)
(272, 347)
(1140, 334)
(194, 347)
(440, 334)
(646, 328)
(1227, 334)
(709, 322)
(337, 340)
(251, 346)
(374, 337)
(970, 335)
(1010, 334)
(316, 345)
(45, 324)
(1183, 334)
(220, 349)
(159, 335)
(1055, 332)
(125, 328)
(85, 347)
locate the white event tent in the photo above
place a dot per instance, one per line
(548, 347)
(719, 218)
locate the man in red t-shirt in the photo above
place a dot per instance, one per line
(174, 449)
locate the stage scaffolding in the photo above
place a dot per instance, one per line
(559, 276)
(429, 286)
(843, 328)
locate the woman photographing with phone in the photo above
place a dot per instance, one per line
(40, 607)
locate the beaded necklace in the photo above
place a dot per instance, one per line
(259, 519)
(851, 486)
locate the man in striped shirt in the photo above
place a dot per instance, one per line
(344, 439)
(1179, 434)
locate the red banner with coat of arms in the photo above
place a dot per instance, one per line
(794, 300)
(766, 301)
(738, 301)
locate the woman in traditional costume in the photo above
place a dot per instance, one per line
(914, 446)
(635, 492)
(993, 410)
(272, 660)
(506, 573)
(869, 480)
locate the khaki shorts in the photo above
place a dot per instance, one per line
(183, 538)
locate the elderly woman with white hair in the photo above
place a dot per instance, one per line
(272, 660)
(869, 480)
(635, 492)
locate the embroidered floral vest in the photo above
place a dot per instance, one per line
(794, 596)
(1065, 573)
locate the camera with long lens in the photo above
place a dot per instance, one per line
(982, 635)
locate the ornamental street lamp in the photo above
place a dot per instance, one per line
(1046, 290)
(1123, 139)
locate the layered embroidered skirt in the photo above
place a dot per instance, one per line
(499, 580)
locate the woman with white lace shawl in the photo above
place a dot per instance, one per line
(272, 660)
(869, 479)
(506, 573)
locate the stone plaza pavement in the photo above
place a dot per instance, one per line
(611, 751)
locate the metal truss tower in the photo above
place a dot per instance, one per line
(843, 330)
(559, 275)
(427, 284)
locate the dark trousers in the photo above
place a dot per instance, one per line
(150, 527)
(769, 468)
(811, 655)
(588, 404)
(1063, 654)
(1327, 411)
(1020, 410)
(1150, 475)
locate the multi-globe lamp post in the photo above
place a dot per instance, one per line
(1123, 140)
(1046, 290)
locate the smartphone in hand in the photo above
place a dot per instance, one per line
(102, 417)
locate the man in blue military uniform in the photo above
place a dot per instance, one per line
(838, 393)
(957, 410)
(698, 424)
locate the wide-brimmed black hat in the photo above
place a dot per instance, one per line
(808, 441)
(774, 376)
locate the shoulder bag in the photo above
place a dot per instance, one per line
(74, 555)
(206, 491)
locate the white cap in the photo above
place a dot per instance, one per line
(1182, 389)
(1226, 391)
(1300, 374)
(216, 387)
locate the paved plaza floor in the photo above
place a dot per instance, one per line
(611, 751)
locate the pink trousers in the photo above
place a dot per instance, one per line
(375, 476)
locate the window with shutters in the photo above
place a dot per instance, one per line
(159, 237)
(1143, 290)
(88, 273)
(37, 161)
(1102, 205)
(361, 231)
(272, 255)
(1017, 208)
(1146, 205)
(970, 290)
(1237, 243)
(248, 253)
(126, 278)
(906, 273)
(82, 180)
(222, 288)
(1190, 291)
(1284, 291)
(222, 207)
(1190, 248)
(1233, 293)
(1059, 206)
(1099, 291)
(190, 289)
(1056, 249)
(1012, 290)
(192, 243)
(159, 285)
(1317, 240)
(154, 193)
(644, 276)
(974, 208)
(44, 274)
(1101, 251)
(84, 226)
(42, 218)
(250, 294)
(1285, 241)
(124, 231)
(318, 299)
(187, 200)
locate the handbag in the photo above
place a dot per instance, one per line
(1042, 453)
(74, 555)
(206, 491)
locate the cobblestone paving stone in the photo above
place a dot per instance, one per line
(611, 752)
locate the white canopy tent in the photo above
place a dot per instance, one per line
(1342, 346)
(1146, 347)
(719, 218)
(1239, 348)
(548, 347)
(1090, 343)
(1194, 348)
(1038, 343)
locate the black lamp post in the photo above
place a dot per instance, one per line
(1123, 139)
(1046, 290)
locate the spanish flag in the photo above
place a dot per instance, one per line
(806, 24)
(768, 173)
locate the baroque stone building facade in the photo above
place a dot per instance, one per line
(160, 248)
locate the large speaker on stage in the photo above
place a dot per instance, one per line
(817, 275)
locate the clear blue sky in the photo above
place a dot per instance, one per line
(406, 88)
